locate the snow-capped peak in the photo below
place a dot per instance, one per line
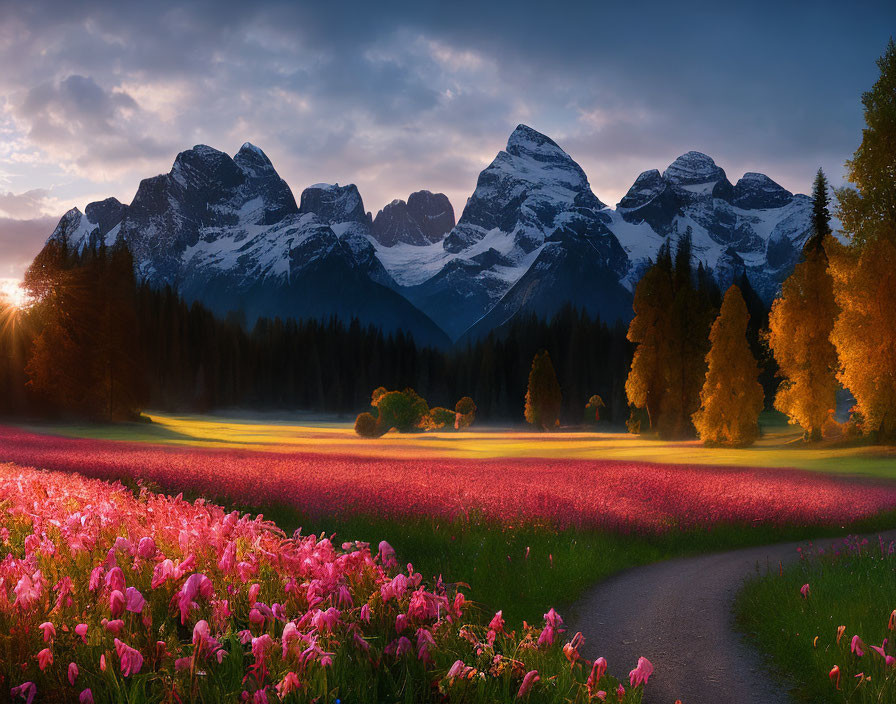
(693, 168)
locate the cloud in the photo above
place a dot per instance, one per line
(414, 95)
(20, 241)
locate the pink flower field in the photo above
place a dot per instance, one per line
(613, 494)
(110, 597)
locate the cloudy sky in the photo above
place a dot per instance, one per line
(396, 97)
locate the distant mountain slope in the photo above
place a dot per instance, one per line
(227, 232)
(532, 237)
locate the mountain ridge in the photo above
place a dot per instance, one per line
(533, 236)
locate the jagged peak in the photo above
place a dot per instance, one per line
(527, 141)
(693, 167)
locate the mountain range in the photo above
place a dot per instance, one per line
(533, 236)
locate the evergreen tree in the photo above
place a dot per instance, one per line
(864, 273)
(731, 398)
(800, 326)
(543, 397)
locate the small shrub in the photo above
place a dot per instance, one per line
(466, 413)
(367, 426)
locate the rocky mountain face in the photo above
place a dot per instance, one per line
(754, 226)
(227, 232)
(425, 218)
(532, 237)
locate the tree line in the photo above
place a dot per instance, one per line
(695, 370)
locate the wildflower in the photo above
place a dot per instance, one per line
(528, 682)
(115, 579)
(253, 593)
(28, 589)
(49, 631)
(195, 586)
(641, 673)
(134, 600)
(387, 555)
(834, 675)
(497, 622)
(81, 630)
(840, 631)
(45, 658)
(130, 659)
(598, 669)
(804, 590)
(116, 603)
(289, 683)
(857, 646)
(146, 548)
(456, 669)
(26, 690)
(620, 692)
(103, 662)
(891, 624)
(365, 613)
(72, 673)
(113, 626)
(86, 697)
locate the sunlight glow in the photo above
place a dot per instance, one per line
(11, 291)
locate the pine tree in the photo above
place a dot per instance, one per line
(543, 397)
(732, 398)
(864, 273)
(800, 325)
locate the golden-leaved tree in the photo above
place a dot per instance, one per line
(732, 397)
(864, 271)
(800, 325)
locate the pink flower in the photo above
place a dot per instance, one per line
(456, 669)
(146, 548)
(387, 555)
(114, 626)
(196, 585)
(641, 673)
(401, 622)
(365, 613)
(115, 579)
(528, 682)
(804, 590)
(857, 646)
(86, 697)
(26, 690)
(134, 600)
(28, 589)
(289, 683)
(116, 603)
(72, 673)
(131, 660)
(598, 669)
(497, 622)
(45, 658)
(325, 621)
(620, 692)
(253, 593)
(103, 662)
(81, 630)
(228, 559)
(49, 631)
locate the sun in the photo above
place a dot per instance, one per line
(11, 292)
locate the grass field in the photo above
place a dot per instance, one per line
(780, 446)
(850, 585)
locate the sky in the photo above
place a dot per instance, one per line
(402, 96)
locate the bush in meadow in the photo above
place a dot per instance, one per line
(366, 426)
(466, 413)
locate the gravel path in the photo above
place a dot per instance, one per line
(678, 614)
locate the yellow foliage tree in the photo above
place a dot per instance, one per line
(864, 273)
(732, 397)
(800, 325)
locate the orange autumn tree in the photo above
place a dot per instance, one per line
(732, 397)
(864, 271)
(800, 325)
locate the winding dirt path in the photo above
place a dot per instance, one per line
(678, 614)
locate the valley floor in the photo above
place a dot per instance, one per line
(781, 446)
